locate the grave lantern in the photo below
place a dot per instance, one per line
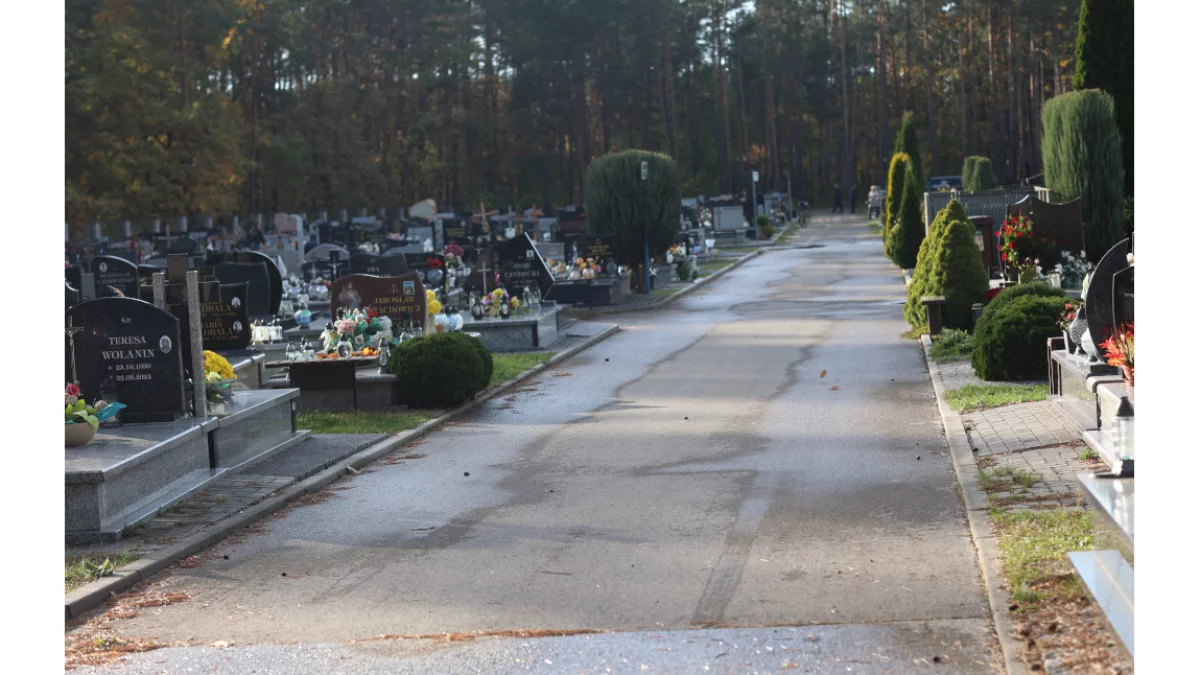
(1124, 423)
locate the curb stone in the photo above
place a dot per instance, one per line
(90, 595)
(683, 291)
(976, 503)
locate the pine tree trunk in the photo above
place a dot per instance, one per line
(668, 86)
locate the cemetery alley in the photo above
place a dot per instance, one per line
(751, 479)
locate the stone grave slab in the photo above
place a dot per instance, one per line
(1101, 306)
(133, 348)
(274, 277)
(601, 247)
(378, 265)
(518, 263)
(225, 323)
(257, 278)
(1060, 222)
(115, 277)
(396, 296)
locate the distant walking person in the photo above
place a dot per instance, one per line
(837, 199)
(853, 196)
(874, 202)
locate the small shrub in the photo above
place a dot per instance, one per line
(485, 356)
(906, 142)
(684, 270)
(908, 232)
(985, 175)
(951, 345)
(968, 172)
(924, 277)
(437, 371)
(1010, 344)
(895, 189)
(1012, 293)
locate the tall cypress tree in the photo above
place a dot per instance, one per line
(1104, 60)
(895, 189)
(906, 142)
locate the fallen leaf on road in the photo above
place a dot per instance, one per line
(835, 387)
(823, 373)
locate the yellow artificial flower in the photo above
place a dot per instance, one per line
(434, 306)
(516, 303)
(215, 363)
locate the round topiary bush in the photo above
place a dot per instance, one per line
(437, 371)
(1012, 293)
(485, 357)
(1011, 343)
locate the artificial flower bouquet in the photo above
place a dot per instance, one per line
(79, 412)
(495, 302)
(218, 378)
(1070, 311)
(1019, 245)
(1118, 350)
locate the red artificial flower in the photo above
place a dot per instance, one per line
(73, 390)
(992, 292)
(434, 263)
(1004, 257)
(371, 313)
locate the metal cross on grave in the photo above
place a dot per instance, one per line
(72, 329)
(534, 213)
(483, 270)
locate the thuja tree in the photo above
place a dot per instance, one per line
(968, 172)
(1104, 60)
(1081, 153)
(906, 142)
(924, 280)
(620, 203)
(982, 176)
(895, 190)
(904, 240)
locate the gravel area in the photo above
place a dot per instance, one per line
(958, 374)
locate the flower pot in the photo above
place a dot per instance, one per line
(217, 408)
(79, 433)
(1127, 373)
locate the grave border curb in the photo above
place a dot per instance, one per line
(683, 291)
(91, 595)
(975, 500)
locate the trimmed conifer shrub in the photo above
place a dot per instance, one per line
(436, 371)
(895, 190)
(968, 172)
(485, 357)
(1081, 153)
(1012, 293)
(906, 142)
(620, 203)
(1010, 343)
(925, 280)
(904, 240)
(1104, 60)
(984, 177)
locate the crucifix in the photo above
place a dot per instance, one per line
(72, 329)
(483, 270)
(482, 215)
(534, 213)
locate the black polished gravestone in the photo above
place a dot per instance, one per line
(398, 297)
(256, 276)
(518, 263)
(600, 247)
(1100, 302)
(274, 276)
(131, 347)
(225, 323)
(115, 277)
(378, 265)
(1062, 223)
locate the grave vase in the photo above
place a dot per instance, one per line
(79, 433)
(217, 408)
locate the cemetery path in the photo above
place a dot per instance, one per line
(765, 454)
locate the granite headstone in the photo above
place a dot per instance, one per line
(393, 296)
(274, 277)
(1061, 222)
(378, 265)
(225, 323)
(518, 263)
(1101, 306)
(133, 348)
(259, 285)
(115, 277)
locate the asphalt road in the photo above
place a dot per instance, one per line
(760, 465)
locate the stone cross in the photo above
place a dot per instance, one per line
(483, 270)
(72, 329)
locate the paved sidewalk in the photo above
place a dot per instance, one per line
(1030, 438)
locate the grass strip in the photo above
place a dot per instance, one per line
(507, 366)
(1033, 551)
(84, 568)
(362, 421)
(981, 396)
